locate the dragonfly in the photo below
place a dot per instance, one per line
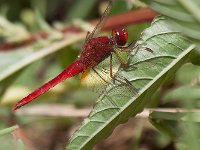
(94, 51)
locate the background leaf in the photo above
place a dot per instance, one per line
(177, 123)
(183, 14)
(81, 9)
(8, 130)
(14, 61)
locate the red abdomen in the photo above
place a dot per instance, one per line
(96, 50)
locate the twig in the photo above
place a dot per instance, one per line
(70, 111)
(54, 111)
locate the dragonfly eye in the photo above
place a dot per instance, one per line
(120, 36)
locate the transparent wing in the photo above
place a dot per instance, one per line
(99, 77)
(100, 23)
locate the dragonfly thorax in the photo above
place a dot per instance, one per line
(96, 50)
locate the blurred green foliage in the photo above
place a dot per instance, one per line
(18, 19)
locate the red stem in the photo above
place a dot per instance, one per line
(132, 17)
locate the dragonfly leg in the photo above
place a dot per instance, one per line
(125, 82)
(128, 48)
(122, 80)
(111, 72)
(123, 63)
(132, 46)
(148, 49)
(119, 78)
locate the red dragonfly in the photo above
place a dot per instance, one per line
(95, 50)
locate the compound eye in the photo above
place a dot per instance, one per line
(120, 36)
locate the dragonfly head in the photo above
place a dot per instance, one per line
(120, 36)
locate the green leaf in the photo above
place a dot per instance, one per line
(147, 71)
(8, 130)
(44, 26)
(8, 81)
(8, 29)
(188, 79)
(177, 123)
(187, 93)
(13, 61)
(81, 9)
(182, 75)
(183, 14)
(119, 6)
(168, 121)
(20, 144)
